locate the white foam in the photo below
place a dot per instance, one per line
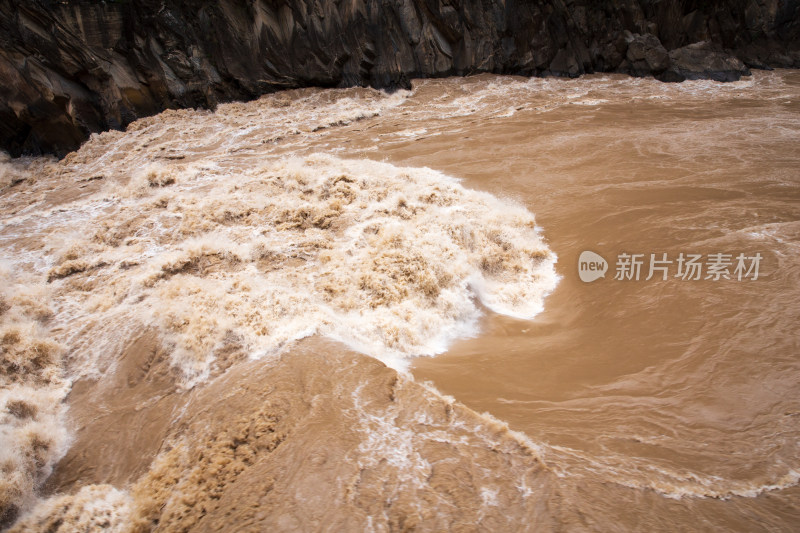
(389, 260)
(671, 483)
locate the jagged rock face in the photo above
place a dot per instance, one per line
(70, 68)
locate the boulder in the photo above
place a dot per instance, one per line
(703, 60)
(645, 55)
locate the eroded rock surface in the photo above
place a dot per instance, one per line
(71, 68)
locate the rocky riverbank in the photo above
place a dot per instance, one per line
(71, 68)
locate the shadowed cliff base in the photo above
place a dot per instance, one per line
(72, 68)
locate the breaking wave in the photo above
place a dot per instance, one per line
(388, 260)
(32, 431)
(226, 266)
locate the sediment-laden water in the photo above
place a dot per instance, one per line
(289, 313)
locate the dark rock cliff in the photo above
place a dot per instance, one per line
(69, 68)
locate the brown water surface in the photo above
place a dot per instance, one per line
(659, 405)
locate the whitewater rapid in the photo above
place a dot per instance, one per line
(214, 317)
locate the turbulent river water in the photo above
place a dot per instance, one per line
(291, 313)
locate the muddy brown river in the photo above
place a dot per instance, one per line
(344, 310)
